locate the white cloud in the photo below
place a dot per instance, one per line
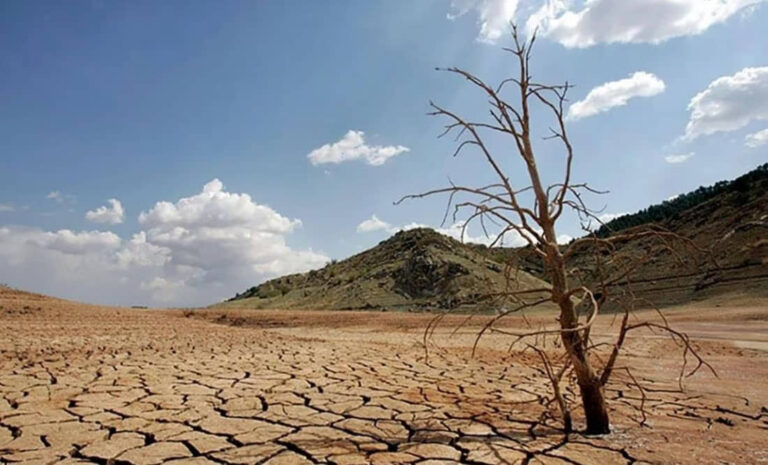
(74, 264)
(62, 241)
(494, 16)
(373, 224)
(729, 103)
(164, 290)
(112, 214)
(139, 253)
(353, 147)
(215, 208)
(193, 251)
(616, 93)
(678, 158)
(60, 197)
(220, 237)
(76, 243)
(756, 139)
(603, 219)
(7, 207)
(607, 217)
(589, 22)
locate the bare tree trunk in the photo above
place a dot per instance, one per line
(590, 385)
(595, 410)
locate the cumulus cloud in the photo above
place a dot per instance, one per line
(218, 237)
(678, 158)
(756, 139)
(139, 253)
(589, 22)
(108, 214)
(75, 264)
(216, 208)
(493, 16)
(193, 251)
(616, 93)
(353, 147)
(729, 103)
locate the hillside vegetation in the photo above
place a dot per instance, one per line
(727, 223)
(738, 190)
(413, 269)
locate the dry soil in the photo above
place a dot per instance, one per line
(86, 384)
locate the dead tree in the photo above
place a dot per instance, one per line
(532, 212)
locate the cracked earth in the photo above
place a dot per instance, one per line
(82, 384)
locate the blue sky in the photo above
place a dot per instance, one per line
(148, 102)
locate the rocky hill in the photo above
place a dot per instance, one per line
(413, 269)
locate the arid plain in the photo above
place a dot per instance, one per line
(86, 384)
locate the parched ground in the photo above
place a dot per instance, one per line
(83, 384)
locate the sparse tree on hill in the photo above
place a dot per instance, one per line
(532, 212)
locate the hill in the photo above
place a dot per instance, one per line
(727, 222)
(420, 268)
(737, 189)
(413, 269)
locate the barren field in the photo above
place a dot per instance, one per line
(84, 384)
